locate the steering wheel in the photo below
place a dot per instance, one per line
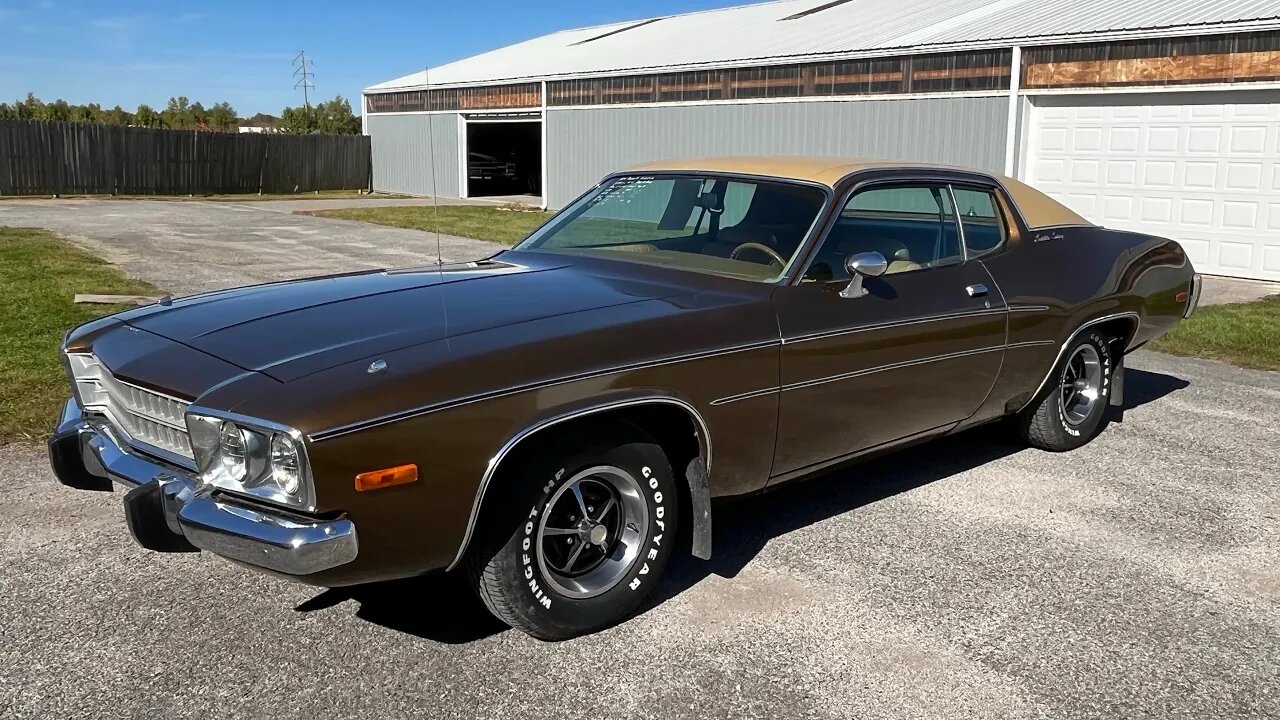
(773, 254)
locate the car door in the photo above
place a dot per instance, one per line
(917, 352)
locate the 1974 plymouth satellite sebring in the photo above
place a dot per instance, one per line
(554, 421)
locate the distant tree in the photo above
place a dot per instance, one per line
(329, 117)
(334, 117)
(177, 113)
(199, 116)
(222, 117)
(32, 108)
(117, 116)
(59, 110)
(297, 121)
(146, 117)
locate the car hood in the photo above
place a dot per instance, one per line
(292, 329)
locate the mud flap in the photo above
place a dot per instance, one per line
(700, 507)
(1117, 383)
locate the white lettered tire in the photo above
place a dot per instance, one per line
(555, 574)
(1071, 408)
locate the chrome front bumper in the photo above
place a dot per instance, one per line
(168, 510)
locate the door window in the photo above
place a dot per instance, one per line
(912, 225)
(984, 230)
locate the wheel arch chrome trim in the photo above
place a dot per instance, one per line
(704, 448)
(1128, 314)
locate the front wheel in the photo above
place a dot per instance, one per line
(590, 547)
(1070, 410)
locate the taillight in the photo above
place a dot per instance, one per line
(1191, 296)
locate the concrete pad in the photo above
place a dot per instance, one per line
(1218, 290)
(193, 246)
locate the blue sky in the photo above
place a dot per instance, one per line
(126, 53)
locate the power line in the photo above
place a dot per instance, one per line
(302, 71)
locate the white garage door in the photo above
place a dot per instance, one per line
(1206, 175)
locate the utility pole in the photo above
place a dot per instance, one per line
(302, 71)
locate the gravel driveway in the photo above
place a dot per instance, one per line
(965, 578)
(192, 246)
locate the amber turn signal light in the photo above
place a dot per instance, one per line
(378, 479)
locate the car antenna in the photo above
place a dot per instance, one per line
(431, 157)
(435, 191)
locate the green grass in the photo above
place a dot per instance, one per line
(1244, 334)
(482, 223)
(39, 275)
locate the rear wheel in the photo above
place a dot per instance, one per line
(1070, 410)
(590, 546)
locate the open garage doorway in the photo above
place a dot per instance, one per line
(504, 159)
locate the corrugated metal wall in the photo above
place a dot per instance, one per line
(585, 144)
(402, 153)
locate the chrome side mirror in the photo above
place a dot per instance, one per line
(860, 265)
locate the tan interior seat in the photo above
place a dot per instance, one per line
(635, 248)
(894, 251)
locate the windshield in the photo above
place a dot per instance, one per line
(745, 229)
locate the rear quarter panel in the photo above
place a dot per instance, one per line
(1057, 279)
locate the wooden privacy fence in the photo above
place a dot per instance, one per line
(60, 158)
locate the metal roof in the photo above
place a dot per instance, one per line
(768, 31)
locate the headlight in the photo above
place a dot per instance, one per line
(232, 448)
(251, 457)
(286, 468)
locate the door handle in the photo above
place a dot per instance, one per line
(976, 290)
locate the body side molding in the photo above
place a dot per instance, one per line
(511, 443)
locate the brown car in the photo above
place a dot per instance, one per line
(554, 421)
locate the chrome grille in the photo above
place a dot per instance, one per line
(146, 418)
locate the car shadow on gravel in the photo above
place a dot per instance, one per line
(441, 608)
(743, 526)
(438, 607)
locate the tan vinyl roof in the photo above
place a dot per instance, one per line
(823, 170)
(1038, 210)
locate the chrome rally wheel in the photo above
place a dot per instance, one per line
(1081, 384)
(591, 532)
